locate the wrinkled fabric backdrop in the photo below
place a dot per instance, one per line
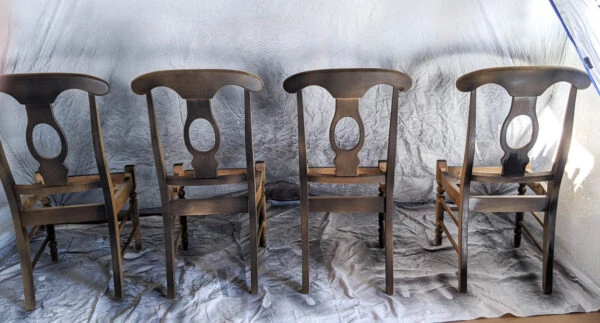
(434, 42)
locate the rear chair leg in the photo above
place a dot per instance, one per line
(519, 219)
(253, 251)
(463, 229)
(381, 219)
(304, 241)
(548, 249)
(115, 246)
(26, 266)
(389, 246)
(169, 253)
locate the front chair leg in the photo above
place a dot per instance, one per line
(439, 215)
(519, 219)
(134, 213)
(263, 222)
(50, 231)
(183, 224)
(52, 242)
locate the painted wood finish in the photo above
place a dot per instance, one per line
(524, 85)
(347, 86)
(198, 87)
(37, 92)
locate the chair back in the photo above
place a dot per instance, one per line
(197, 88)
(347, 86)
(37, 92)
(524, 84)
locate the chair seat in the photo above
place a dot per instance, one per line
(214, 205)
(451, 176)
(347, 204)
(366, 175)
(80, 213)
(224, 176)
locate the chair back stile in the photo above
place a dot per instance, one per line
(108, 192)
(249, 142)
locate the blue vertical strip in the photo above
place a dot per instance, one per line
(574, 44)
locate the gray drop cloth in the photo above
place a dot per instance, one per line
(347, 274)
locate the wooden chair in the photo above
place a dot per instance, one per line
(524, 85)
(37, 92)
(347, 86)
(198, 87)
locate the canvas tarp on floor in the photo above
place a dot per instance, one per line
(347, 273)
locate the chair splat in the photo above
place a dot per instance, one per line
(204, 163)
(53, 170)
(515, 160)
(346, 160)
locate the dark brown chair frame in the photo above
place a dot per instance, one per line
(37, 92)
(524, 85)
(347, 86)
(198, 87)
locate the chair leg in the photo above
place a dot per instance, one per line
(305, 246)
(45, 201)
(52, 242)
(263, 222)
(134, 213)
(183, 223)
(381, 220)
(439, 215)
(548, 249)
(463, 228)
(26, 267)
(519, 219)
(389, 247)
(253, 250)
(135, 221)
(115, 248)
(183, 226)
(169, 253)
